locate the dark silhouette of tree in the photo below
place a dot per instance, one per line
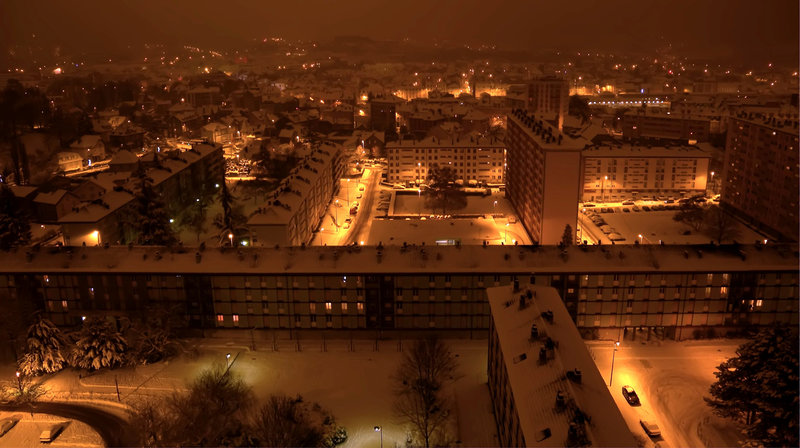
(98, 345)
(15, 228)
(21, 110)
(420, 398)
(212, 412)
(719, 224)
(579, 107)
(567, 239)
(231, 219)
(45, 349)
(758, 387)
(443, 192)
(290, 422)
(691, 214)
(150, 219)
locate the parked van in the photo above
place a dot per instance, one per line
(50, 434)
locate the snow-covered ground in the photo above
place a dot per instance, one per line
(428, 231)
(354, 385)
(411, 204)
(671, 379)
(655, 226)
(27, 430)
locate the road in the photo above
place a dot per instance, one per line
(671, 381)
(359, 230)
(114, 429)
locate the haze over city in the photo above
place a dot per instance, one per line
(423, 223)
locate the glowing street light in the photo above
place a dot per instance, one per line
(230, 237)
(613, 355)
(640, 238)
(380, 430)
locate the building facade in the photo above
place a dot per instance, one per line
(761, 175)
(471, 158)
(549, 97)
(659, 125)
(543, 176)
(619, 173)
(668, 291)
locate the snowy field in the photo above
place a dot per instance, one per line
(354, 385)
(659, 225)
(26, 432)
(409, 203)
(468, 231)
(671, 379)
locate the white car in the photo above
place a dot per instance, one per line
(50, 434)
(650, 428)
(6, 424)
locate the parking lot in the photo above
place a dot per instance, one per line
(27, 430)
(670, 379)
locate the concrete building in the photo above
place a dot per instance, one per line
(293, 213)
(549, 97)
(382, 114)
(472, 158)
(543, 382)
(179, 179)
(663, 125)
(543, 179)
(619, 173)
(760, 174)
(620, 292)
(69, 161)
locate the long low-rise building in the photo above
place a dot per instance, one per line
(614, 173)
(669, 290)
(290, 217)
(545, 387)
(472, 158)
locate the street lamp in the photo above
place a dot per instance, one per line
(640, 238)
(505, 237)
(19, 382)
(713, 190)
(613, 355)
(336, 210)
(227, 358)
(419, 202)
(380, 430)
(602, 190)
(230, 237)
(494, 208)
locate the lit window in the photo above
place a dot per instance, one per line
(220, 318)
(360, 307)
(708, 292)
(344, 306)
(328, 306)
(724, 278)
(64, 305)
(723, 291)
(758, 303)
(46, 279)
(236, 318)
(312, 307)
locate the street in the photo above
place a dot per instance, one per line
(671, 380)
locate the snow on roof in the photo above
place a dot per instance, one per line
(446, 142)
(439, 259)
(51, 198)
(123, 157)
(520, 117)
(644, 151)
(22, 191)
(66, 156)
(86, 142)
(534, 385)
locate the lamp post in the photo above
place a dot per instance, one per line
(640, 238)
(419, 202)
(378, 429)
(336, 210)
(494, 208)
(19, 383)
(505, 237)
(613, 355)
(603, 189)
(227, 358)
(230, 237)
(347, 186)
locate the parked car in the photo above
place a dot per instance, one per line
(650, 428)
(636, 208)
(626, 210)
(628, 203)
(646, 208)
(6, 424)
(589, 205)
(630, 395)
(50, 434)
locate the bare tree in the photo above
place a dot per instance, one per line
(290, 422)
(719, 224)
(420, 397)
(443, 192)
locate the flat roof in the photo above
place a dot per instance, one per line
(519, 116)
(534, 384)
(644, 151)
(412, 260)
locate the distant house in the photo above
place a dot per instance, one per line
(287, 135)
(90, 147)
(217, 133)
(123, 161)
(69, 161)
(50, 207)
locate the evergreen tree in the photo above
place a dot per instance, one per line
(152, 221)
(43, 352)
(759, 388)
(15, 229)
(98, 345)
(567, 238)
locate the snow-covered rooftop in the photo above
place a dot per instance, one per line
(644, 151)
(413, 259)
(535, 384)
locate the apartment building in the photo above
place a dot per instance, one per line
(472, 158)
(761, 175)
(178, 178)
(543, 179)
(647, 123)
(619, 173)
(298, 204)
(544, 385)
(670, 291)
(548, 96)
